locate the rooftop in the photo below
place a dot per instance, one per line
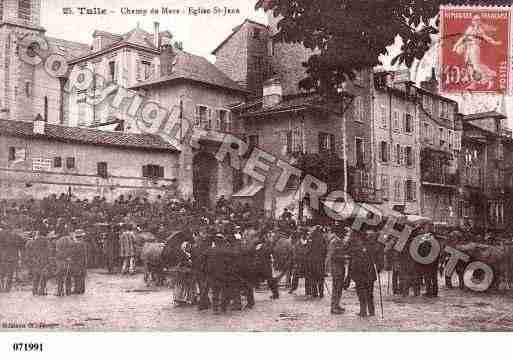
(234, 31)
(483, 115)
(135, 37)
(194, 68)
(86, 136)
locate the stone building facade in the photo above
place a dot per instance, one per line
(243, 56)
(198, 92)
(396, 133)
(39, 159)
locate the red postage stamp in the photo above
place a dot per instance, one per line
(475, 49)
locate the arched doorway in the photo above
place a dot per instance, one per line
(204, 185)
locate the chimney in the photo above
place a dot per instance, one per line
(156, 34)
(39, 125)
(431, 85)
(272, 92)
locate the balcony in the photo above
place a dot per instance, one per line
(362, 188)
(435, 169)
(473, 177)
(440, 177)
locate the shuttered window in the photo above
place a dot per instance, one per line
(102, 169)
(153, 171)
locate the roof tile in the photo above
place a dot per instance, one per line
(86, 136)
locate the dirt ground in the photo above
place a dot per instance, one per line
(124, 303)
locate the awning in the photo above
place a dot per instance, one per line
(249, 191)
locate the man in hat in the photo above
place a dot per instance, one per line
(79, 261)
(38, 256)
(338, 245)
(363, 272)
(10, 246)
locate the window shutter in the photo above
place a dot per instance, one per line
(12, 153)
(197, 115)
(289, 142)
(321, 141)
(332, 143)
(152, 72)
(138, 69)
(414, 190)
(145, 171)
(161, 171)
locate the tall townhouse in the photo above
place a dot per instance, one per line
(123, 59)
(396, 128)
(440, 143)
(484, 171)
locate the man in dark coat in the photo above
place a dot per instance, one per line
(63, 251)
(10, 246)
(38, 253)
(338, 245)
(199, 267)
(79, 261)
(316, 260)
(363, 272)
(110, 237)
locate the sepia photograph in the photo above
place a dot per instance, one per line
(255, 166)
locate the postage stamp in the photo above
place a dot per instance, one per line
(475, 54)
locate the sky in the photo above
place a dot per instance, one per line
(199, 33)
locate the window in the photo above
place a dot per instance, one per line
(383, 115)
(396, 120)
(409, 156)
(28, 88)
(427, 103)
(57, 162)
(112, 71)
(256, 34)
(70, 163)
(358, 109)
(408, 123)
(384, 152)
(203, 117)
(24, 10)
(360, 151)
(326, 142)
(385, 186)
(153, 171)
(442, 136)
(223, 118)
(397, 189)
(398, 152)
(410, 190)
(259, 64)
(17, 154)
(102, 169)
(294, 141)
(146, 69)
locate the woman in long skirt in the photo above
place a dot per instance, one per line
(184, 292)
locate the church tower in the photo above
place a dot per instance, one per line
(18, 18)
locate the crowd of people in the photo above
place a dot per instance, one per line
(63, 237)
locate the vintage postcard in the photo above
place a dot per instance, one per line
(254, 166)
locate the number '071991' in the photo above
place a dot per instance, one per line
(27, 347)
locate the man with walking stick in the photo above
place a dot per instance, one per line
(338, 242)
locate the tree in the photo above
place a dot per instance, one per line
(350, 35)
